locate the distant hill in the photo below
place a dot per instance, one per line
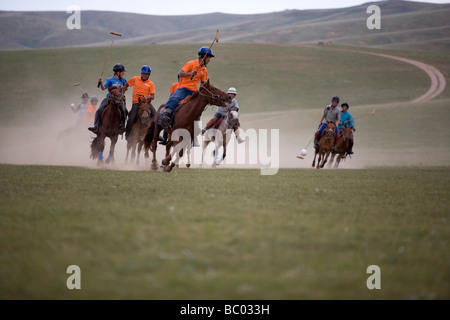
(404, 24)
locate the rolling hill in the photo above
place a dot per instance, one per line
(405, 24)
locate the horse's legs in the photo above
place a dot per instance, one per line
(314, 161)
(333, 155)
(139, 149)
(101, 148)
(110, 158)
(325, 158)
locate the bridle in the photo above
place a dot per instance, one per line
(215, 97)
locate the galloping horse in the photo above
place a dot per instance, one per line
(109, 127)
(325, 144)
(229, 123)
(184, 118)
(138, 130)
(342, 146)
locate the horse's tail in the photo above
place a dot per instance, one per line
(95, 150)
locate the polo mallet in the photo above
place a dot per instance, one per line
(216, 39)
(363, 115)
(107, 56)
(79, 86)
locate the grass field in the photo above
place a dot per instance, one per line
(231, 233)
(226, 234)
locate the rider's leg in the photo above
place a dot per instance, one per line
(350, 147)
(175, 98)
(132, 116)
(123, 113)
(212, 122)
(98, 116)
(318, 133)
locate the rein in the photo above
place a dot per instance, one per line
(212, 95)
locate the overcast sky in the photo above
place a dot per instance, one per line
(182, 7)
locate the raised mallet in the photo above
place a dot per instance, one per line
(216, 39)
(115, 34)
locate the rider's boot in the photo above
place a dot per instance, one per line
(350, 147)
(163, 139)
(210, 123)
(94, 128)
(165, 118)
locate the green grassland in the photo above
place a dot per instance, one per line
(231, 234)
(224, 234)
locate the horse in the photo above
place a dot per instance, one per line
(229, 123)
(138, 131)
(325, 144)
(109, 127)
(190, 110)
(342, 146)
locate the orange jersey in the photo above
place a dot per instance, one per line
(202, 75)
(174, 87)
(89, 116)
(141, 88)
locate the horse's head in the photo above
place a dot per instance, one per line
(116, 95)
(347, 133)
(215, 96)
(233, 119)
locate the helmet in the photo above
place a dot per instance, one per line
(205, 50)
(345, 104)
(232, 90)
(84, 95)
(94, 99)
(119, 68)
(146, 69)
(335, 99)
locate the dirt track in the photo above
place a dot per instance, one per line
(438, 82)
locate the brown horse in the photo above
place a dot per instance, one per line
(109, 127)
(342, 146)
(221, 136)
(191, 109)
(325, 144)
(138, 131)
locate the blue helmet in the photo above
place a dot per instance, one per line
(146, 69)
(335, 98)
(205, 50)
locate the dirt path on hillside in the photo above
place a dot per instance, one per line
(438, 82)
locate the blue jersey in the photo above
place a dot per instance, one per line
(346, 119)
(111, 82)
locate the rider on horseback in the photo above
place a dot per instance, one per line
(195, 69)
(346, 120)
(330, 114)
(142, 87)
(115, 81)
(222, 112)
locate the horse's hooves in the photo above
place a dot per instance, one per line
(154, 168)
(164, 162)
(167, 168)
(188, 165)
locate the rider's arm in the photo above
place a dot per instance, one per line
(183, 74)
(101, 84)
